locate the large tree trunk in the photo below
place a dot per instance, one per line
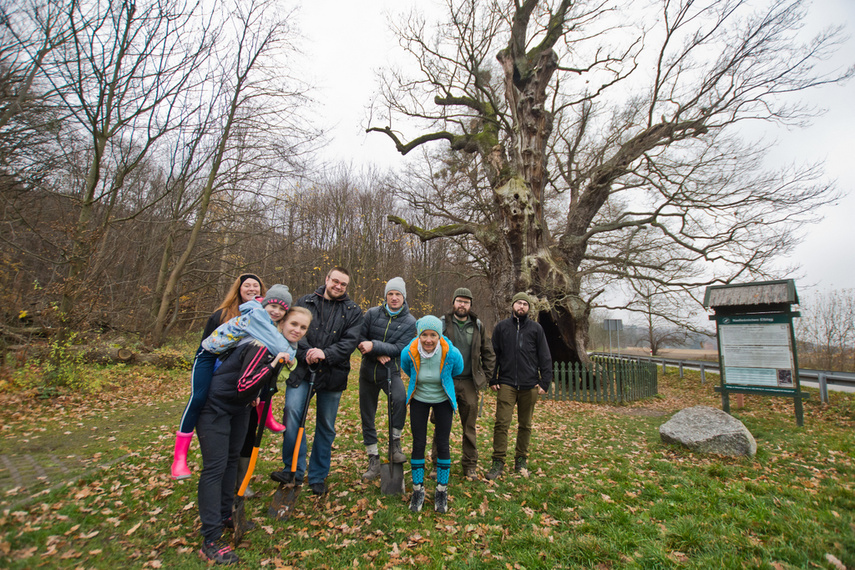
(519, 197)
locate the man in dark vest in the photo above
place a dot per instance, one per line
(466, 331)
(386, 331)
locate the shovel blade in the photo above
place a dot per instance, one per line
(283, 502)
(239, 519)
(392, 479)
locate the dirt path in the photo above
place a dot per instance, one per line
(57, 453)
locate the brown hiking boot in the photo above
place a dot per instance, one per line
(396, 452)
(496, 470)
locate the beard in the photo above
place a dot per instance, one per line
(461, 313)
(520, 313)
(333, 295)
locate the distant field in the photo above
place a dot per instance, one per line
(680, 353)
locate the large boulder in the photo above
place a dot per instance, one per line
(708, 430)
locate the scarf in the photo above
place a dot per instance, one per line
(424, 353)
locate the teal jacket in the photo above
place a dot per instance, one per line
(450, 366)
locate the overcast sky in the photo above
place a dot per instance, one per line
(348, 40)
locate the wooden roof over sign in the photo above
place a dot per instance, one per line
(753, 294)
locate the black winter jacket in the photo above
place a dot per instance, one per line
(390, 335)
(242, 375)
(522, 354)
(335, 330)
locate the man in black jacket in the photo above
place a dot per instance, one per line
(326, 349)
(523, 371)
(386, 331)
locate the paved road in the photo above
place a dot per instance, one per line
(840, 381)
(32, 466)
(831, 387)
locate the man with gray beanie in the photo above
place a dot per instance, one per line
(523, 372)
(386, 331)
(466, 331)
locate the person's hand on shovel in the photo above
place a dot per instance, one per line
(315, 355)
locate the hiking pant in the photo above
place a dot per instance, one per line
(369, 394)
(507, 398)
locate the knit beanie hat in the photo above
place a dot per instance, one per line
(396, 284)
(429, 323)
(278, 294)
(521, 296)
(462, 292)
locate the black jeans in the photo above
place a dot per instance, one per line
(221, 435)
(443, 413)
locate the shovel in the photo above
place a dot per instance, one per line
(286, 494)
(391, 474)
(239, 508)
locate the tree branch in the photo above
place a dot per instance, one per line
(458, 142)
(450, 230)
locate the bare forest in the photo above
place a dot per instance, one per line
(151, 151)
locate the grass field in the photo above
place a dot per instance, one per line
(602, 492)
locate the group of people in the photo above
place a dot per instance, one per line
(448, 360)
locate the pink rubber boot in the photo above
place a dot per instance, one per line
(179, 462)
(271, 424)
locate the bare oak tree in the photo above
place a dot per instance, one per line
(663, 321)
(588, 122)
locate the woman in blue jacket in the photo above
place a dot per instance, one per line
(431, 362)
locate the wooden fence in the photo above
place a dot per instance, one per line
(603, 380)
